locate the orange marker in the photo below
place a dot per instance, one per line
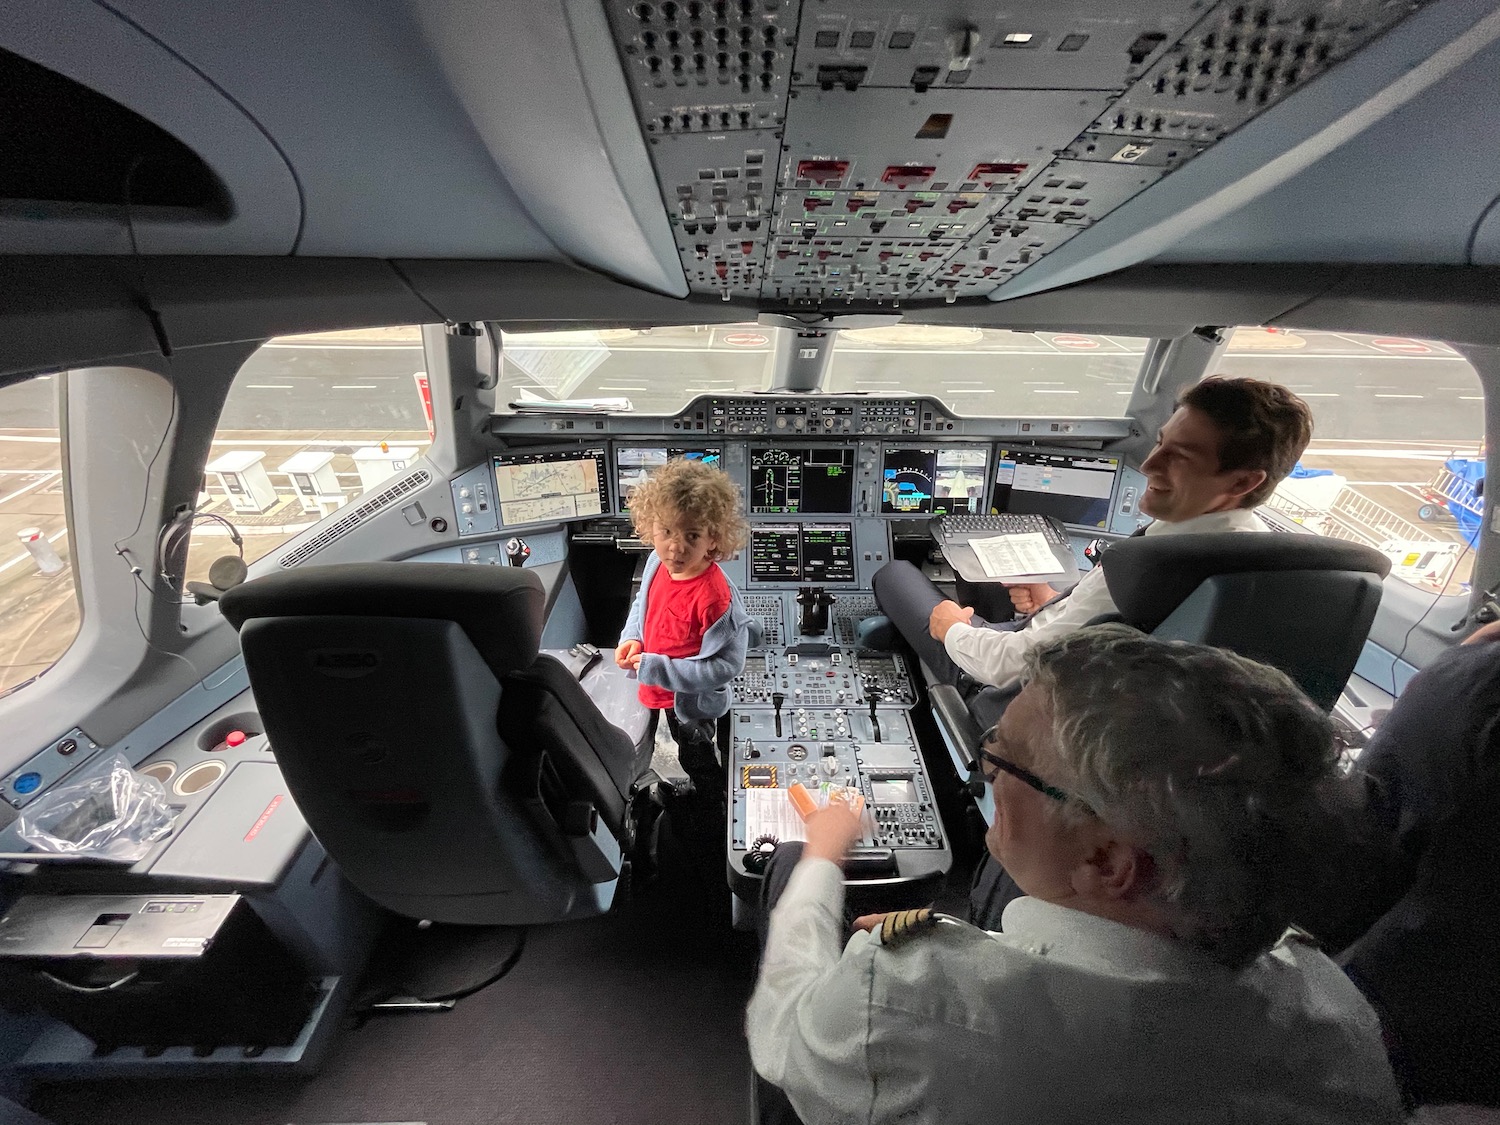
(802, 800)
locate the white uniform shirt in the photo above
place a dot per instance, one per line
(996, 656)
(1064, 1017)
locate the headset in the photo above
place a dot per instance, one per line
(226, 571)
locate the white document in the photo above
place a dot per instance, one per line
(1015, 556)
(770, 812)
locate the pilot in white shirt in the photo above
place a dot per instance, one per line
(1222, 452)
(1146, 978)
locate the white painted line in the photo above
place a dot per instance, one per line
(1042, 382)
(269, 386)
(603, 387)
(24, 555)
(355, 387)
(1318, 394)
(1040, 391)
(1362, 356)
(1400, 396)
(24, 489)
(39, 440)
(1470, 398)
(350, 347)
(1374, 386)
(1351, 340)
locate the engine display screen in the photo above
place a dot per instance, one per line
(893, 791)
(817, 480)
(818, 553)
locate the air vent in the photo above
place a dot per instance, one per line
(68, 144)
(358, 515)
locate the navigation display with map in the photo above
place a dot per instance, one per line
(806, 481)
(944, 481)
(542, 487)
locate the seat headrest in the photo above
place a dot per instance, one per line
(499, 608)
(1151, 575)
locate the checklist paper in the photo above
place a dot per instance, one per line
(1014, 556)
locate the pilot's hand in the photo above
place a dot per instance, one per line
(1484, 634)
(871, 922)
(626, 652)
(945, 615)
(1028, 597)
(832, 831)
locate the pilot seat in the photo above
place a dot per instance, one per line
(452, 772)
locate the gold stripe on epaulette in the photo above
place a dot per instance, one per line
(904, 924)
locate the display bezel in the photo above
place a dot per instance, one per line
(616, 448)
(1071, 452)
(788, 445)
(936, 447)
(600, 450)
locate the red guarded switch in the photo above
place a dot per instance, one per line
(903, 176)
(822, 171)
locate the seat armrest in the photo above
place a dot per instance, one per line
(953, 714)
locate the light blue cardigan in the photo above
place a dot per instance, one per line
(700, 682)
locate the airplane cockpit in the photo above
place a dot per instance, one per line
(334, 343)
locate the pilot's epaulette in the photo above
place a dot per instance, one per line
(906, 924)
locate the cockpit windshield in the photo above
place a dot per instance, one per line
(988, 372)
(644, 371)
(977, 372)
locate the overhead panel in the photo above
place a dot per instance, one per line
(706, 65)
(1069, 45)
(1240, 60)
(817, 152)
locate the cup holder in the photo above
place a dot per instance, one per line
(229, 732)
(162, 770)
(199, 777)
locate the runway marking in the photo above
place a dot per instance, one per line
(348, 347)
(1040, 391)
(355, 387)
(1400, 396)
(25, 488)
(269, 387)
(42, 440)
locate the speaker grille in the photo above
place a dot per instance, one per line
(346, 523)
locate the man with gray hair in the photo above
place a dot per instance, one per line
(1163, 806)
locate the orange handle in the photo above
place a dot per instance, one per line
(802, 800)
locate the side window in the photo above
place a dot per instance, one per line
(39, 612)
(310, 423)
(1397, 449)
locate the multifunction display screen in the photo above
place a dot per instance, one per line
(635, 465)
(943, 481)
(544, 487)
(817, 480)
(1075, 488)
(814, 553)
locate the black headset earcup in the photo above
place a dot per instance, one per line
(227, 572)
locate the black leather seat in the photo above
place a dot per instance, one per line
(450, 772)
(1300, 603)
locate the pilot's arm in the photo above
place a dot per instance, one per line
(809, 1018)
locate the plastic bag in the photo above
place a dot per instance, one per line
(108, 810)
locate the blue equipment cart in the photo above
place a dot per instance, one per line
(1455, 491)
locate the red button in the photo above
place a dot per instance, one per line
(234, 738)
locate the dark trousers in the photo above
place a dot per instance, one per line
(908, 597)
(698, 752)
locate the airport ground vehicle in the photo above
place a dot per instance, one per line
(494, 174)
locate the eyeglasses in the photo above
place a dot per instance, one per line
(1023, 774)
(1019, 772)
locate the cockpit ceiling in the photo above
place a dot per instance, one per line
(819, 151)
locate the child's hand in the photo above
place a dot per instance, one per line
(627, 652)
(634, 663)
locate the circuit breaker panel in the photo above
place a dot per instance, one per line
(820, 151)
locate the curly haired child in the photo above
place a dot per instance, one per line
(687, 631)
